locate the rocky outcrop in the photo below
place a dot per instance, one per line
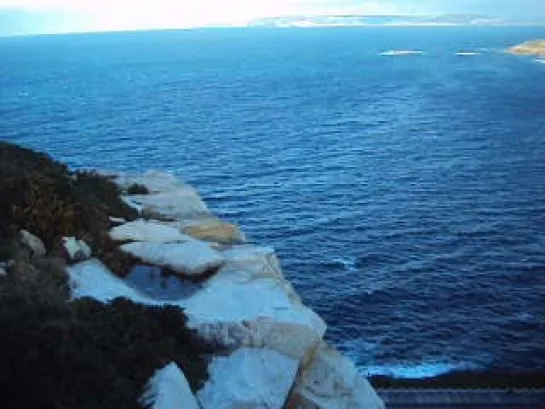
(534, 47)
(248, 378)
(191, 258)
(169, 389)
(330, 381)
(243, 305)
(144, 230)
(209, 227)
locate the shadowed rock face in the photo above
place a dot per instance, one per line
(534, 47)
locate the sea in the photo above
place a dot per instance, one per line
(404, 192)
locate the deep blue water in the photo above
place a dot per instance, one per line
(404, 195)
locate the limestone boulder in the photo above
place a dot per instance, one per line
(33, 243)
(236, 308)
(258, 261)
(249, 378)
(143, 230)
(169, 389)
(211, 228)
(192, 258)
(330, 381)
(176, 204)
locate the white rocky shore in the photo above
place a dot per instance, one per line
(277, 358)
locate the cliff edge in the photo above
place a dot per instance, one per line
(186, 312)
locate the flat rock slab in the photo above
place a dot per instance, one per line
(144, 230)
(258, 261)
(330, 381)
(234, 309)
(250, 378)
(190, 258)
(172, 205)
(213, 229)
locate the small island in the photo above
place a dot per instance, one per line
(534, 47)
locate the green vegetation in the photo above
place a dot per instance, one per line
(61, 354)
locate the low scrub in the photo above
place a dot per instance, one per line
(84, 354)
(61, 354)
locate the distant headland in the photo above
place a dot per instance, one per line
(534, 47)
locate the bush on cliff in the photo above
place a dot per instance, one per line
(42, 196)
(61, 354)
(83, 354)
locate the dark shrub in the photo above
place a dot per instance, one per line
(42, 196)
(84, 354)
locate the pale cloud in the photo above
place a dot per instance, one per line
(137, 14)
(131, 14)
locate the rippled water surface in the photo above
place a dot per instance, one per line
(405, 194)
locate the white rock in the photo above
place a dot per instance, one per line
(77, 250)
(190, 258)
(259, 262)
(169, 389)
(142, 230)
(236, 309)
(332, 382)
(31, 241)
(250, 378)
(117, 220)
(3, 269)
(91, 278)
(175, 204)
(210, 227)
(232, 309)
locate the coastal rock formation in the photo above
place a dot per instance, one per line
(248, 378)
(534, 47)
(143, 230)
(330, 380)
(209, 227)
(190, 258)
(169, 389)
(243, 305)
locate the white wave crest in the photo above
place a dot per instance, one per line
(415, 371)
(402, 52)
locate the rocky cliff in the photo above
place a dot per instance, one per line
(261, 347)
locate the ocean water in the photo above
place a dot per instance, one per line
(405, 195)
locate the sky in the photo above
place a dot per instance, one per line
(50, 16)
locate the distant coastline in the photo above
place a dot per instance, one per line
(533, 47)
